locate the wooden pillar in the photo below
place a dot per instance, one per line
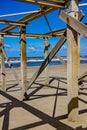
(72, 65)
(23, 61)
(3, 76)
(45, 55)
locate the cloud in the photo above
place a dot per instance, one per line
(35, 48)
(41, 47)
(31, 48)
(7, 46)
(14, 50)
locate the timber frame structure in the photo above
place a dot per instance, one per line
(71, 34)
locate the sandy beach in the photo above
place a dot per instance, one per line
(47, 105)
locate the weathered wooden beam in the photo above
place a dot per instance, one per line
(12, 23)
(10, 65)
(48, 58)
(28, 18)
(28, 35)
(83, 76)
(48, 23)
(3, 74)
(73, 59)
(59, 57)
(46, 47)
(75, 24)
(80, 15)
(83, 4)
(56, 33)
(23, 60)
(16, 14)
(58, 1)
(52, 3)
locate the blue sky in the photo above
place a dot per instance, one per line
(35, 46)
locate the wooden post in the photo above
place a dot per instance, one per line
(45, 55)
(23, 61)
(3, 76)
(72, 65)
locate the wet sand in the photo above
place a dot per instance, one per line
(47, 105)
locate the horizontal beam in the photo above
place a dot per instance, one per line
(28, 18)
(16, 14)
(56, 33)
(83, 4)
(75, 24)
(12, 23)
(51, 3)
(28, 35)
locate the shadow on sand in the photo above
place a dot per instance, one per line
(44, 118)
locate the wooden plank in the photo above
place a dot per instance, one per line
(56, 33)
(52, 3)
(75, 24)
(12, 23)
(83, 4)
(80, 15)
(16, 14)
(47, 60)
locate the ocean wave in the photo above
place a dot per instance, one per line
(38, 61)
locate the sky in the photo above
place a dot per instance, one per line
(35, 46)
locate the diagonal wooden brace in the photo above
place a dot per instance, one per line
(47, 60)
(75, 24)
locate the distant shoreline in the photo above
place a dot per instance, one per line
(43, 57)
(37, 61)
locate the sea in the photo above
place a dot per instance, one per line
(37, 61)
